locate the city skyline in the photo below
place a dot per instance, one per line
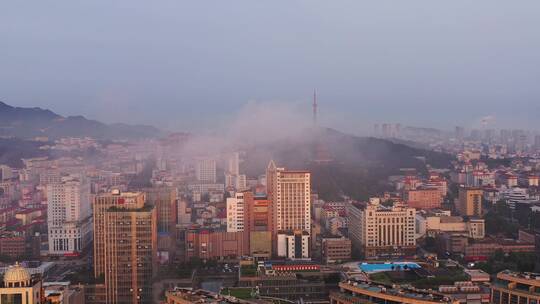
(301, 152)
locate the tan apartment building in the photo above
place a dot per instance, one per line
(290, 196)
(125, 244)
(470, 201)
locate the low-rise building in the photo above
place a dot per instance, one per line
(376, 230)
(18, 286)
(477, 275)
(482, 249)
(474, 227)
(293, 245)
(336, 250)
(188, 296)
(63, 293)
(12, 245)
(352, 292)
(515, 287)
(215, 244)
(424, 198)
(466, 292)
(292, 280)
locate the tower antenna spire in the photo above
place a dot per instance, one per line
(314, 106)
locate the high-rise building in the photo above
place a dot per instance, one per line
(470, 201)
(184, 213)
(164, 199)
(258, 211)
(69, 215)
(233, 163)
(102, 203)
(376, 230)
(233, 178)
(235, 213)
(130, 254)
(253, 216)
(205, 170)
(505, 136)
(125, 246)
(259, 224)
(237, 182)
(290, 196)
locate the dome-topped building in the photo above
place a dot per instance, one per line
(19, 286)
(17, 276)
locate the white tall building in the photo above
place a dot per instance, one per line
(69, 215)
(235, 213)
(234, 164)
(184, 217)
(238, 182)
(293, 245)
(241, 182)
(205, 170)
(376, 230)
(233, 178)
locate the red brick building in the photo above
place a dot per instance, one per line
(424, 198)
(211, 244)
(12, 246)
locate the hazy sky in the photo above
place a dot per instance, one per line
(193, 64)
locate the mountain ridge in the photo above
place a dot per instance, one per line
(32, 122)
(357, 166)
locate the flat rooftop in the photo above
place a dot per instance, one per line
(410, 293)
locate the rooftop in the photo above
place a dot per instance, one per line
(120, 208)
(202, 296)
(409, 293)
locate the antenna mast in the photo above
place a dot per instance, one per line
(315, 107)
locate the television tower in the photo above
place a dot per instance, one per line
(314, 107)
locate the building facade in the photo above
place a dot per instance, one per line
(18, 286)
(336, 250)
(235, 213)
(292, 245)
(69, 215)
(470, 201)
(424, 198)
(362, 292)
(513, 287)
(130, 254)
(205, 170)
(290, 196)
(125, 246)
(376, 230)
